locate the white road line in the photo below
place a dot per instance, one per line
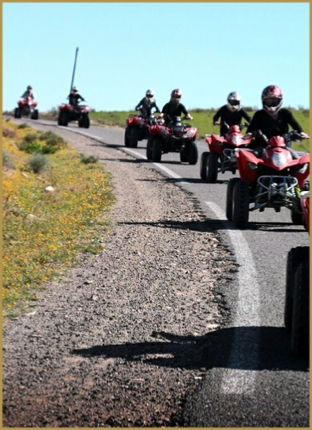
(235, 380)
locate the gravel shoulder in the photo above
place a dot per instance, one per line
(121, 340)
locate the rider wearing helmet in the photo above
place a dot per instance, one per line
(272, 120)
(28, 93)
(232, 113)
(74, 97)
(146, 105)
(174, 107)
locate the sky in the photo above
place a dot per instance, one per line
(205, 49)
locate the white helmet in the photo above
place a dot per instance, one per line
(233, 101)
(150, 93)
(75, 90)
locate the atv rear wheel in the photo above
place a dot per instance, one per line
(157, 150)
(17, 113)
(300, 320)
(149, 148)
(65, 119)
(60, 119)
(192, 153)
(294, 257)
(240, 213)
(127, 136)
(35, 114)
(229, 197)
(203, 170)
(134, 137)
(297, 218)
(212, 174)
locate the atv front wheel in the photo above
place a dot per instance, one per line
(149, 148)
(294, 257)
(192, 153)
(300, 321)
(134, 137)
(157, 150)
(229, 197)
(85, 121)
(65, 119)
(203, 170)
(35, 114)
(240, 213)
(297, 218)
(212, 174)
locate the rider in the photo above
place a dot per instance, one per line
(232, 113)
(28, 93)
(272, 120)
(174, 107)
(74, 97)
(146, 105)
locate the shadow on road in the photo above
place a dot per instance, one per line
(210, 350)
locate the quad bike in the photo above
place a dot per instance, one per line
(26, 107)
(68, 112)
(220, 157)
(174, 137)
(272, 181)
(137, 128)
(296, 311)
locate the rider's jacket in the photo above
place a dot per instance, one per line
(74, 98)
(170, 110)
(231, 118)
(145, 105)
(28, 94)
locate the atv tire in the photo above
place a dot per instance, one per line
(212, 174)
(203, 170)
(192, 153)
(17, 113)
(240, 214)
(297, 218)
(134, 137)
(157, 150)
(149, 148)
(229, 197)
(85, 121)
(300, 320)
(35, 114)
(65, 119)
(294, 257)
(127, 136)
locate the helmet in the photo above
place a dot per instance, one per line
(234, 100)
(272, 98)
(150, 93)
(29, 87)
(176, 95)
(75, 90)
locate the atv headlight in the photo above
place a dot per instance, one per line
(279, 160)
(235, 140)
(252, 166)
(164, 132)
(303, 168)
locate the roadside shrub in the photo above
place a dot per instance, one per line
(37, 162)
(32, 147)
(8, 132)
(52, 140)
(23, 125)
(6, 160)
(88, 159)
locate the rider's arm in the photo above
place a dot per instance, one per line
(292, 121)
(245, 115)
(217, 115)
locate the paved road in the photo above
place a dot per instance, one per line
(252, 379)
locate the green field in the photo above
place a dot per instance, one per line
(203, 122)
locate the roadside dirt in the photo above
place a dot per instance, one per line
(121, 340)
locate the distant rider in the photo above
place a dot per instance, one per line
(146, 105)
(28, 93)
(174, 107)
(74, 97)
(232, 113)
(272, 120)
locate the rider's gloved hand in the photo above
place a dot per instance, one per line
(188, 116)
(304, 135)
(216, 123)
(247, 136)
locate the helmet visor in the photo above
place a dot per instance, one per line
(272, 102)
(149, 96)
(176, 96)
(234, 102)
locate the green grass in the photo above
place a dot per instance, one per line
(44, 232)
(203, 122)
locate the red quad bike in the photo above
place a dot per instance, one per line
(27, 107)
(296, 311)
(137, 128)
(272, 181)
(220, 157)
(68, 112)
(174, 137)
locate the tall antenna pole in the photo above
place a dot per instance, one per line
(72, 82)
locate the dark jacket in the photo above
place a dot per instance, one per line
(74, 98)
(231, 118)
(170, 110)
(269, 126)
(146, 108)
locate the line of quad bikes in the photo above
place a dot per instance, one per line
(274, 180)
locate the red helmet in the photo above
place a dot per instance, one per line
(176, 95)
(272, 98)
